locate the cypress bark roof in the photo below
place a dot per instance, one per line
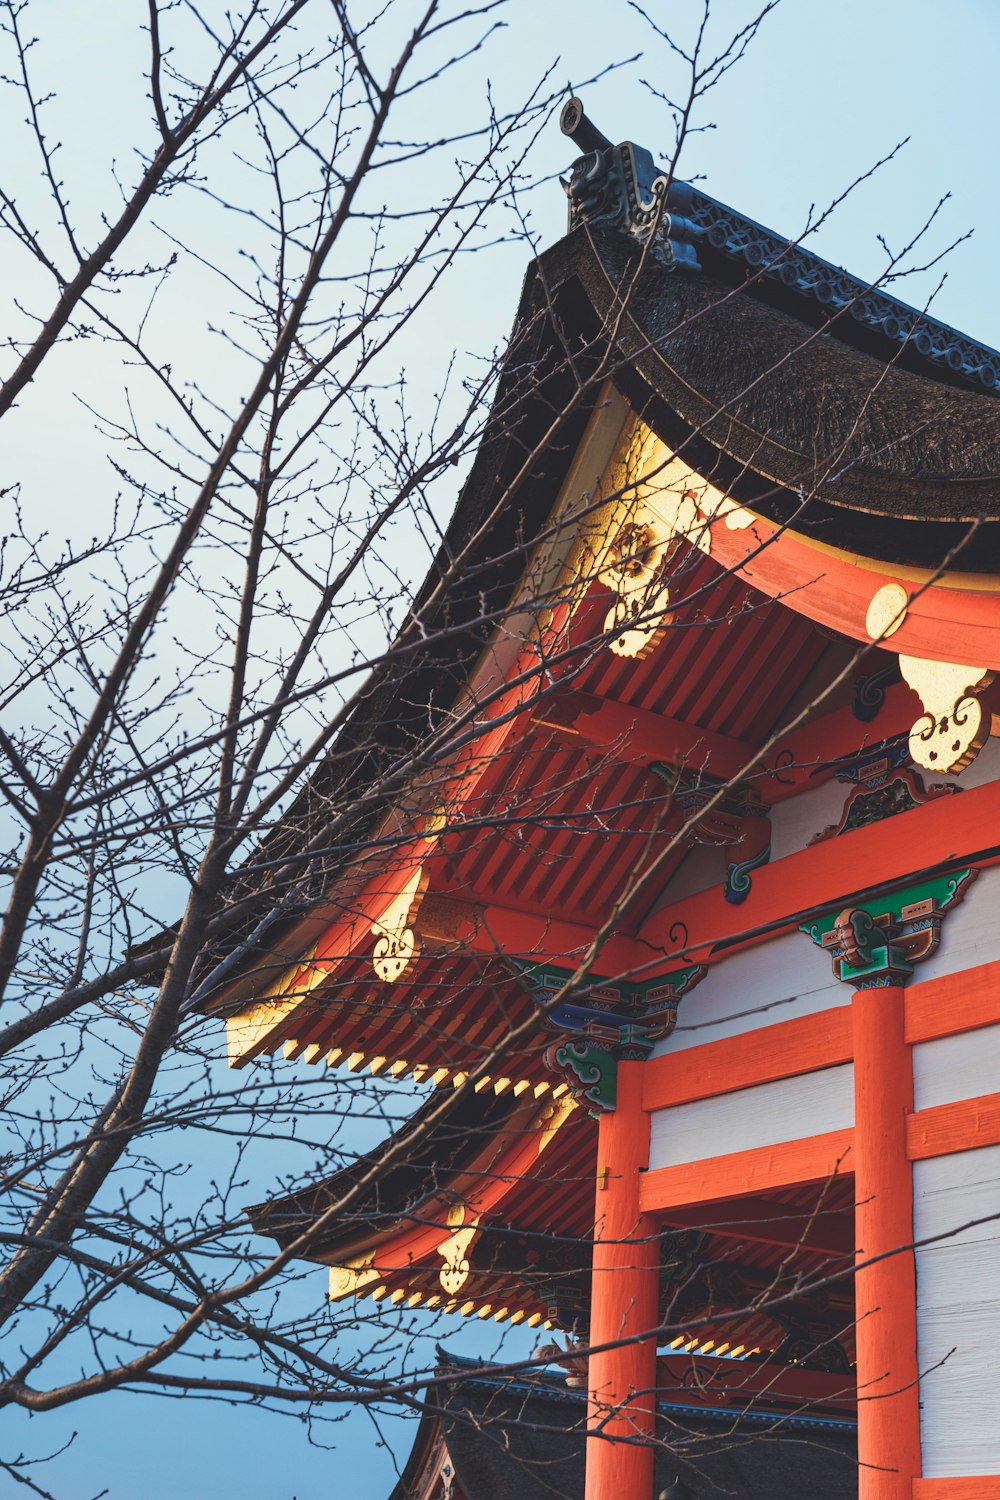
(523, 1439)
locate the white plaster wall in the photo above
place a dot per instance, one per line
(795, 823)
(808, 1104)
(958, 1312)
(956, 1067)
(970, 933)
(788, 976)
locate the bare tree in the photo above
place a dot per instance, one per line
(198, 660)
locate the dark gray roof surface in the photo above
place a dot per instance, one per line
(524, 1440)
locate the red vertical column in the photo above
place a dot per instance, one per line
(624, 1303)
(888, 1406)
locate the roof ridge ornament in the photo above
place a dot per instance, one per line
(621, 187)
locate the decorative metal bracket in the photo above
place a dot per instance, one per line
(602, 1022)
(883, 785)
(738, 821)
(398, 944)
(954, 726)
(454, 1251)
(879, 942)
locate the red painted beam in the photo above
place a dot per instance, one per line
(738, 1062)
(963, 1487)
(635, 734)
(962, 1125)
(942, 623)
(740, 1383)
(948, 829)
(953, 1003)
(764, 1221)
(814, 1159)
(793, 765)
(455, 925)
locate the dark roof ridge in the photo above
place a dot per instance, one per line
(621, 186)
(544, 1385)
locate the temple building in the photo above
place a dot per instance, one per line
(673, 877)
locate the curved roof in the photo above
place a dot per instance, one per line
(814, 419)
(518, 1437)
(793, 420)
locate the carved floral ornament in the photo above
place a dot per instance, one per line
(664, 503)
(955, 725)
(398, 944)
(454, 1251)
(667, 503)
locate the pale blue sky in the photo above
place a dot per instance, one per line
(824, 91)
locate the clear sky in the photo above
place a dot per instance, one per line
(824, 91)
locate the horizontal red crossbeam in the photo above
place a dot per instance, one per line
(707, 1380)
(942, 623)
(806, 758)
(813, 1159)
(738, 1062)
(949, 829)
(962, 1125)
(765, 1221)
(964, 1487)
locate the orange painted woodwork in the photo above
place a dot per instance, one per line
(492, 930)
(967, 1487)
(624, 1303)
(630, 733)
(954, 1003)
(738, 1062)
(885, 1288)
(505, 1163)
(960, 1126)
(766, 1221)
(812, 1159)
(810, 749)
(944, 624)
(826, 873)
(795, 764)
(710, 1381)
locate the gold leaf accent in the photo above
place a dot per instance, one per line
(886, 611)
(454, 1251)
(954, 726)
(349, 1280)
(398, 944)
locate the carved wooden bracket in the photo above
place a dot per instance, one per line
(602, 1022)
(398, 943)
(883, 786)
(635, 570)
(738, 821)
(880, 941)
(954, 726)
(349, 1280)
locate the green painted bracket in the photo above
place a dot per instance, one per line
(880, 939)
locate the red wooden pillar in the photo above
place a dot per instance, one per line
(624, 1302)
(888, 1406)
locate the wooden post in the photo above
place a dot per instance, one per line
(624, 1302)
(888, 1405)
